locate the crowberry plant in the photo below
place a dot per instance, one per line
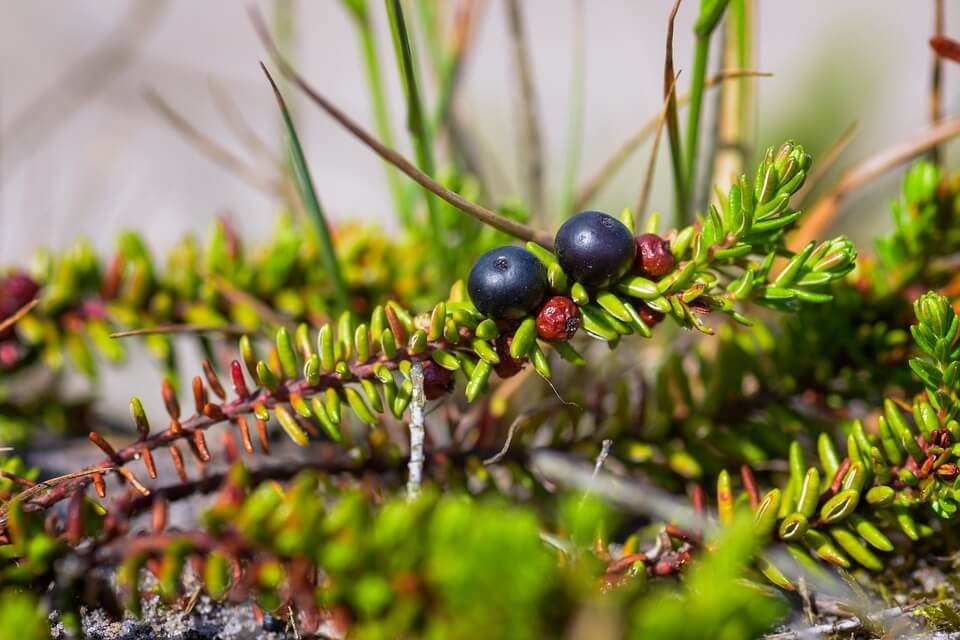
(486, 429)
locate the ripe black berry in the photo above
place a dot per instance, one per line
(595, 249)
(507, 282)
(654, 258)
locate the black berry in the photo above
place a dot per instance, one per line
(507, 282)
(595, 249)
(654, 258)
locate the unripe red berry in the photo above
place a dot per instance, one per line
(558, 320)
(654, 258)
(508, 365)
(437, 381)
(948, 472)
(16, 290)
(650, 316)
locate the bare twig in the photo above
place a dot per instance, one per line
(532, 146)
(19, 313)
(840, 626)
(415, 466)
(606, 171)
(213, 149)
(483, 214)
(827, 208)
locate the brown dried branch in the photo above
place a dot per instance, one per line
(613, 164)
(8, 322)
(827, 208)
(482, 214)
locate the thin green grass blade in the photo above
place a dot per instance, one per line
(308, 196)
(416, 119)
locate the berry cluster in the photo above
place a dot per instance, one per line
(594, 249)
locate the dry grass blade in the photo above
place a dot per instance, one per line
(19, 313)
(826, 209)
(607, 170)
(824, 164)
(676, 152)
(43, 485)
(532, 147)
(482, 214)
(652, 160)
(213, 149)
(182, 328)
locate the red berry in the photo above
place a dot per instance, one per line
(654, 258)
(437, 381)
(650, 316)
(508, 366)
(558, 320)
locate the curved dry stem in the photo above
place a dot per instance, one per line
(613, 164)
(830, 205)
(484, 215)
(19, 313)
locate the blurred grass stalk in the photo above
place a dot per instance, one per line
(311, 203)
(416, 120)
(575, 109)
(711, 12)
(735, 110)
(360, 11)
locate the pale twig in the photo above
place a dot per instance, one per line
(83, 77)
(415, 465)
(19, 313)
(607, 170)
(652, 160)
(840, 626)
(213, 149)
(827, 208)
(532, 145)
(181, 328)
(241, 128)
(482, 214)
(824, 164)
(499, 455)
